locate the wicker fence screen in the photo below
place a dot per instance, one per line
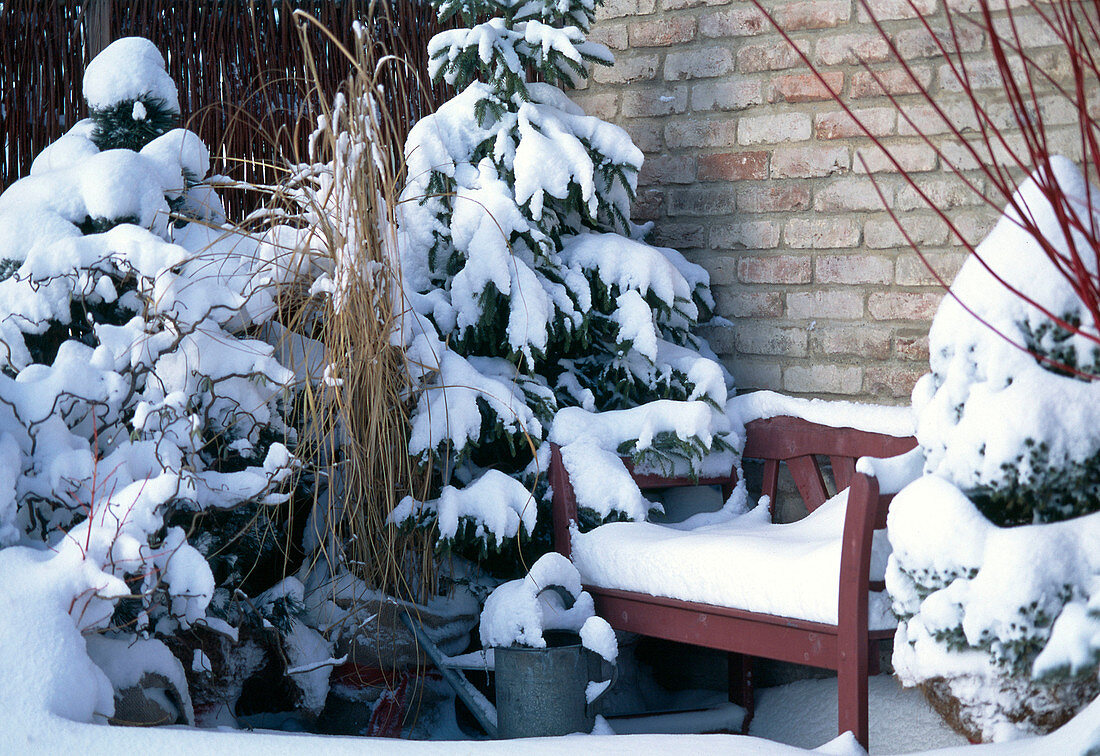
(239, 66)
(41, 64)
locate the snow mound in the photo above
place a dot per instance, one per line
(518, 612)
(47, 672)
(611, 429)
(495, 505)
(745, 562)
(872, 418)
(593, 445)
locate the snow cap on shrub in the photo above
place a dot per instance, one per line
(992, 414)
(130, 68)
(130, 96)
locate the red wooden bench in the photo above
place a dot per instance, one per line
(847, 647)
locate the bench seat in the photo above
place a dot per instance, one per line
(748, 562)
(803, 592)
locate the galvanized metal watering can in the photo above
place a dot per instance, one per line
(541, 691)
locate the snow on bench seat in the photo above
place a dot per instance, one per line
(788, 570)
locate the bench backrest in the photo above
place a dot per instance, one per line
(802, 445)
(791, 440)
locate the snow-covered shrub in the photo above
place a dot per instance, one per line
(530, 291)
(987, 560)
(1040, 461)
(141, 424)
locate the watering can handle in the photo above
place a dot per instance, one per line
(610, 684)
(567, 598)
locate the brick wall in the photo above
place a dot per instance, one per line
(753, 171)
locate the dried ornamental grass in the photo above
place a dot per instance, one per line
(356, 409)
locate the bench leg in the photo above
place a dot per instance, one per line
(852, 696)
(874, 661)
(740, 685)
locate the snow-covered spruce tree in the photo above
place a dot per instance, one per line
(533, 299)
(141, 427)
(995, 573)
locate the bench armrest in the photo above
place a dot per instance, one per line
(893, 473)
(864, 504)
(867, 508)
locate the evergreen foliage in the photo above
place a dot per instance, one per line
(132, 124)
(530, 289)
(1060, 351)
(519, 37)
(1046, 492)
(1034, 487)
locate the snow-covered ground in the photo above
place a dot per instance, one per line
(803, 714)
(789, 719)
(112, 740)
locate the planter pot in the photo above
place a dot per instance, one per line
(964, 702)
